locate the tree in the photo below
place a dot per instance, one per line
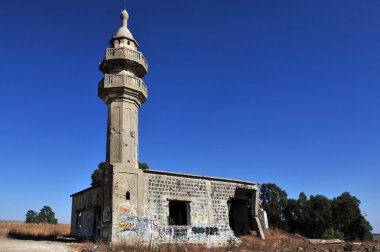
(348, 218)
(31, 217)
(316, 217)
(97, 176)
(47, 215)
(361, 229)
(143, 166)
(274, 200)
(331, 233)
(303, 217)
(291, 215)
(319, 217)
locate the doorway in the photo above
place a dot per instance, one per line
(97, 222)
(239, 216)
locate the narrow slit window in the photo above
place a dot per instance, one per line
(179, 213)
(128, 196)
(78, 219)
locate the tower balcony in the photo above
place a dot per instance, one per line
(124, 58)
(114, 82)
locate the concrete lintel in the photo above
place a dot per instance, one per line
(181, 198)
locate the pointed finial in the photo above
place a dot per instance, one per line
(124, 17)
(123, 30)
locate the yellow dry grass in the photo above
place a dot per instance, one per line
(33, 231)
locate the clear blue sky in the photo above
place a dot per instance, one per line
(267, 91)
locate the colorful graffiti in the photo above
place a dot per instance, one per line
(130, 225)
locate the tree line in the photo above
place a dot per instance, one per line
(317, 216)
(46, 215)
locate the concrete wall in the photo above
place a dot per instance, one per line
(85, 202)
(209, 210)
(211, 204)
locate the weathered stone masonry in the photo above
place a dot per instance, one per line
(209, 199)
(149, 205)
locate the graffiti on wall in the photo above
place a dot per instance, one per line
(205, 230)
(130, 225)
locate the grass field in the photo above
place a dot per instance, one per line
(22, 230)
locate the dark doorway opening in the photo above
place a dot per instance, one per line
(239, 216)
(179, 213)
(97, 222)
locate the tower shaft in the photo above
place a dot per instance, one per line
(123, 91)
(122, 134)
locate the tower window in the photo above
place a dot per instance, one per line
(128, 196)
(129, 42)
(179, 213)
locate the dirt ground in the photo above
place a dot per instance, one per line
(13, 245)
(277, 241)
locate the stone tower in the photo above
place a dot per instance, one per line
(123, 91)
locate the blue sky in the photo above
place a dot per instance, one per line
(267, 91)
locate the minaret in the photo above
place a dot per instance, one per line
(123, 91)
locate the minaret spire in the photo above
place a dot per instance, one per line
(124, 17)
(124, 31)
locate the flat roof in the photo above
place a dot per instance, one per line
(199, 177)
(85, 190)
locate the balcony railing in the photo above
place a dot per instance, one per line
(126, 53)
(120, 80)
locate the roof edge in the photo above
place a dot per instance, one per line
(200, 177)
(85, 190)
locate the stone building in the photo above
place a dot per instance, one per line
(151, 205)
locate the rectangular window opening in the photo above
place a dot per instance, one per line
(179, 213)
(78, 219)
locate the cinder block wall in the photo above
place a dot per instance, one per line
(208, 210)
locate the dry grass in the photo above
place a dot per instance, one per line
(22, 230)
(78, 247)
(173, 247)
(276, 240)
(138, 247)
